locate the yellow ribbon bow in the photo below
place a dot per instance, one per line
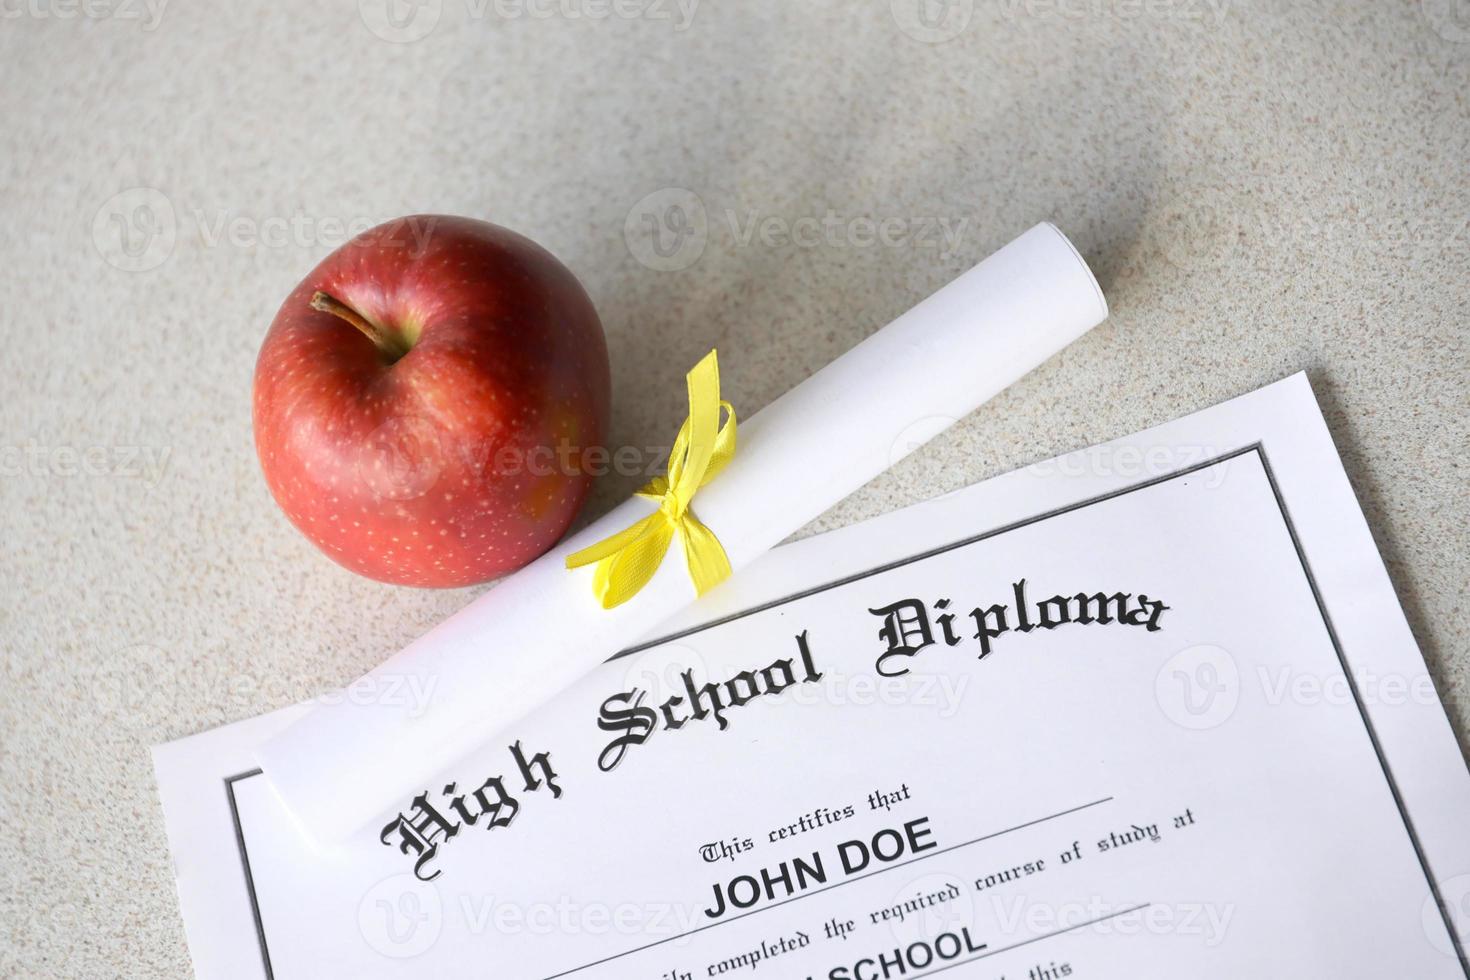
(628, 559)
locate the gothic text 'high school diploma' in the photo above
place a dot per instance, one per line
(1148, 710)
(347, 762)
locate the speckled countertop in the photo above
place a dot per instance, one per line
(1262, 187)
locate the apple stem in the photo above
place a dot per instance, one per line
(390, 344)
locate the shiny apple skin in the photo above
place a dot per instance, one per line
(465, 458)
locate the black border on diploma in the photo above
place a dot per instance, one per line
(1256, 448)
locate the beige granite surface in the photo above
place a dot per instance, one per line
(1263, 186)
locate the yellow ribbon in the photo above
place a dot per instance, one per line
(628, 559)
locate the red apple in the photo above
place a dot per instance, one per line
(425, 398)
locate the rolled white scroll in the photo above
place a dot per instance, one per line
(345, 764)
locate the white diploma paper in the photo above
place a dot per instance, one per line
(1154, 712)
(344, 764)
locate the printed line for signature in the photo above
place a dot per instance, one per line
(848, 881)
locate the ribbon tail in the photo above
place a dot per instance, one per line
(724, 449)
(613, 544)
(619, 576)
(703, 553)
(690, 459)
